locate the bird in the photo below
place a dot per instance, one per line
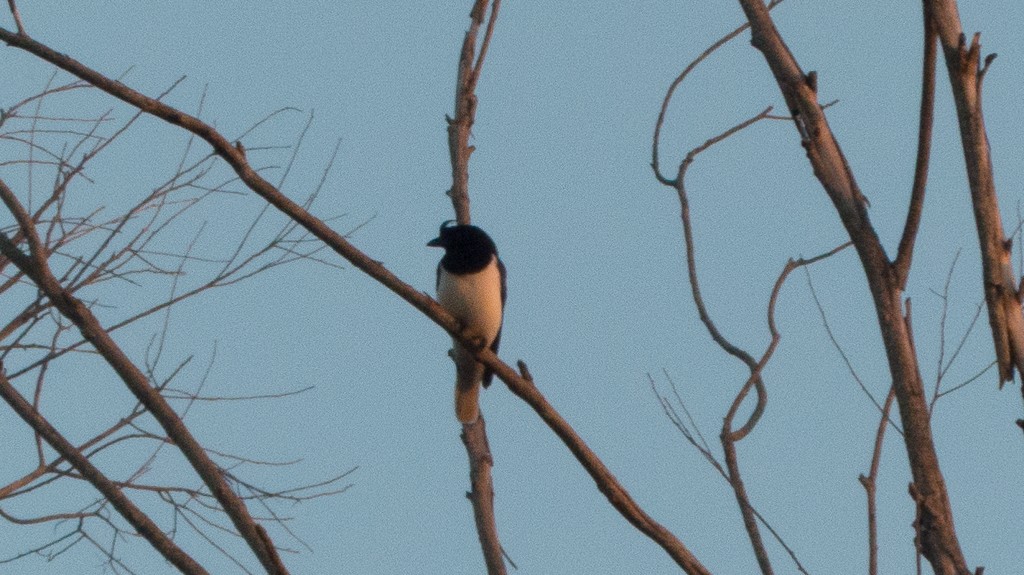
(471, 286)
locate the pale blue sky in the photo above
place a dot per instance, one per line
(597, 288)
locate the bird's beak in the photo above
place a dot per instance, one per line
(435, 243)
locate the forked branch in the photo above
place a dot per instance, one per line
(460, 126)
(939, 542)
(139, 520)
(36, 267)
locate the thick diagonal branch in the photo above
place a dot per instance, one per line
(520, 385)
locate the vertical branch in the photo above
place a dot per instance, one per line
(966, 73)
(743, 500)
(139, 520)
(460, 126)
(474, 435)
(870, 483)
(905, 251)
(482, 494)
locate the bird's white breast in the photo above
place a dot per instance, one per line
(474, 299)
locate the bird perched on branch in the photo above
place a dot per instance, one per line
(471, 286)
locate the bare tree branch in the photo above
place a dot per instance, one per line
(799, 90)
(656, 139)
(522, 385)
(729, 436)
(1000, 282)
(474, 437)
(519, 384)
(901, 266)
(870, 484)
(460, 126)
(842, 352)
(124, 506)
(37, 268)
(17, 16)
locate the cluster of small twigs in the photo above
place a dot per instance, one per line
(73, 253)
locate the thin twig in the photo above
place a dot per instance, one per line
(140, 521)
(904, 254)
(17, 17)
(656, 139)
(842, 353)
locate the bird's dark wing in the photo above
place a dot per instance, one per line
(504, 284)
(488, 373)
(437, 278)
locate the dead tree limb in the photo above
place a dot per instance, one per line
(139, 520)
(35, 266)
(939, 541)
(1002, 294)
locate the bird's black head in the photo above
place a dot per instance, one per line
(467, 248)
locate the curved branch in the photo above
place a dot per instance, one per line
(679, 80)
(728, 436)
(679, 184)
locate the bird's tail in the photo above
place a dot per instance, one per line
(467, 386)
(467, 402)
